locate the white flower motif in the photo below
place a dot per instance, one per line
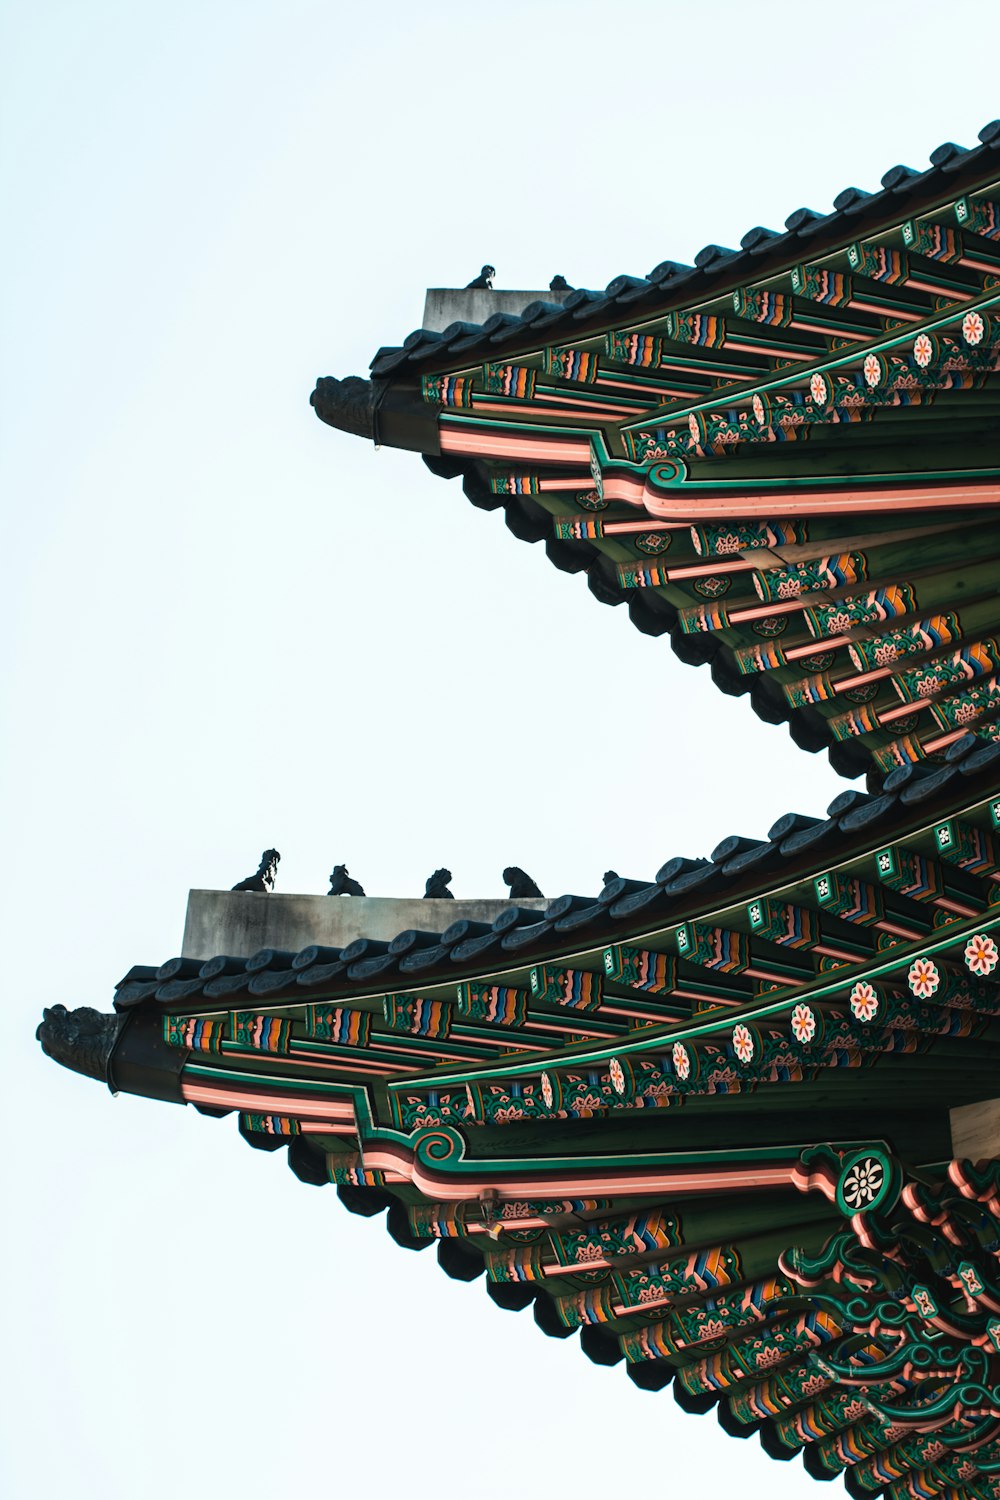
(981, 954)
(803, 1024)
(617, 1075)
(789, 588)
(724, 545)
(965, 713)
(863, 1000)
(548, 1093)
(872, 370)
(973, 328)
(694, 429)
(760, 414)
(818, 389)
(742, 1043)
(923, 350)
(885, 654)
(863, 1182)
(681, 1061)
(929, 685)
(837, 623)
(923, 978)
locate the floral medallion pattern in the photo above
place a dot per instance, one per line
(973, 328)
(819, 390)
(652, 543)
(923, 978)
(771, 626)
(743, 1044)
(923, 350)
(981, 955)
(872, 370)
(548, 1092)
(713, 587)
(803, 1024)
(863, 1183)
(617, 1075)
(863, 1001)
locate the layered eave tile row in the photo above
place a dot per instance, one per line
(783, 457)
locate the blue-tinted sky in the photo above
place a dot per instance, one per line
(230, 627)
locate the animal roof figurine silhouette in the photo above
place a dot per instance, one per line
(263, 880)
(521, 885)
(559, 284)
(436, 888)
(341, 883)
(484, 281)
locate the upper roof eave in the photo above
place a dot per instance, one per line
(904, 190)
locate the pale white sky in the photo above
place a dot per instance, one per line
(230, 627)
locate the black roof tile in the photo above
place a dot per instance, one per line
(426, 958)
(873, 810)
(269, 958)
(178, 968)
(525, 937)
(959, 749)
(987, 759)
(808, 838)
(315, 954)
(321, 974)
(924, 787)
(367, 969)
(273, 982)
(790, 823)
(474, 948)
(759, 236)
(693, 880)
(751, 859)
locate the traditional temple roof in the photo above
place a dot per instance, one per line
(783, 457)
(715, 1122)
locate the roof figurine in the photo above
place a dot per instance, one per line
(341, 883)
(521, 885)
(263, 879)
(484, 281)
(559, 284)
(436, 888)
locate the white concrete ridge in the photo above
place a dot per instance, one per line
(240, 922)
(444, 305)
